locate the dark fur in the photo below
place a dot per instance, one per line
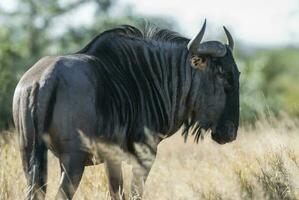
(146, 81)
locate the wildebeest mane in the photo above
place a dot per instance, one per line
(149, 32)
(142, 73)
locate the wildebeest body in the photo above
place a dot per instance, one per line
(124, 88)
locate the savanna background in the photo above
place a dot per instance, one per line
(263, 163)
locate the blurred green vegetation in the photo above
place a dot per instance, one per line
(269, 83)
(34, 29)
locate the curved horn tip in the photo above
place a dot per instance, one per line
(204, 23)
(197, 39)
(229, 38)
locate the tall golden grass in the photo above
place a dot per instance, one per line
(263, 163)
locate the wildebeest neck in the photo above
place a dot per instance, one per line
(143, 83)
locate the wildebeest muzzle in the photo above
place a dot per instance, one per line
(225, 133)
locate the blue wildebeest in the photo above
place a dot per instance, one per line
(128, 88)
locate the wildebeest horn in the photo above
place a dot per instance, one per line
(229, 38)
(194, 43)
(213, 48)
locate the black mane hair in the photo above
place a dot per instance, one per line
(149, 32)
(144, 81)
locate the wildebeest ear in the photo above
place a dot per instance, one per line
(199, 62)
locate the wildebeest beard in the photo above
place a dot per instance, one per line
(144, 80)
(194, 127)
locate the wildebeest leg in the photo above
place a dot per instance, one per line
(35, 168)
(145, 157)
(72, 167)
(139, 177)
(115, 179)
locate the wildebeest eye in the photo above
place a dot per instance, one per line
(229, 81)
(220, 72)
(227, 77)
(199, 62)
(220, 69)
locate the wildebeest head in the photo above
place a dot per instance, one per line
(216, 73)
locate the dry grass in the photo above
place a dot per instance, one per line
(262, 164)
